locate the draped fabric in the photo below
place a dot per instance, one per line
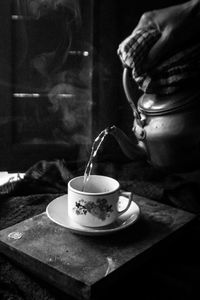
(170, 75)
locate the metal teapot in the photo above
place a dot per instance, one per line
(166, 128)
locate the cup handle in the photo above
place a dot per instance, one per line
(127, 195)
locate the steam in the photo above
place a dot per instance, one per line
(68, 102)
(40, 8)
(68, 11)
(46, 74)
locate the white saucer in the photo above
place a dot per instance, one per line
(57, 212)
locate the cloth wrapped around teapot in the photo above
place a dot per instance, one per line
(169, 75)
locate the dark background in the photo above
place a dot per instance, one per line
(113, 22)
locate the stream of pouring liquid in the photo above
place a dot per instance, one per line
(95, 147)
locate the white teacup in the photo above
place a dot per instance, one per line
(98, 204)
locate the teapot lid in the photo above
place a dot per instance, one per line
(155, 104)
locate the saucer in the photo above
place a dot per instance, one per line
(57, 212)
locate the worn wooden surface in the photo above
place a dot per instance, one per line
(76, 264)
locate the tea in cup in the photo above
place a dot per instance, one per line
(97, 203)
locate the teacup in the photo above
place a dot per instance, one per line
(97, 203)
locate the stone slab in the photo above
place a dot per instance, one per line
(76, 264)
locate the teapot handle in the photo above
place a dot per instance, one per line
(126, 80)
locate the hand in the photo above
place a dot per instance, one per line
(179, 27)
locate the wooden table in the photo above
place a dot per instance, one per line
(81, 266)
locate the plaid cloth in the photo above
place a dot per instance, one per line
(167, 77)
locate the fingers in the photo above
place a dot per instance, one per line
(147, 20)
(147, 23)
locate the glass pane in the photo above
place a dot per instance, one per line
(52, 71)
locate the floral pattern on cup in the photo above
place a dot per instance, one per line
(101, 209)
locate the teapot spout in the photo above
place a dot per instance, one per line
(128, 146)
